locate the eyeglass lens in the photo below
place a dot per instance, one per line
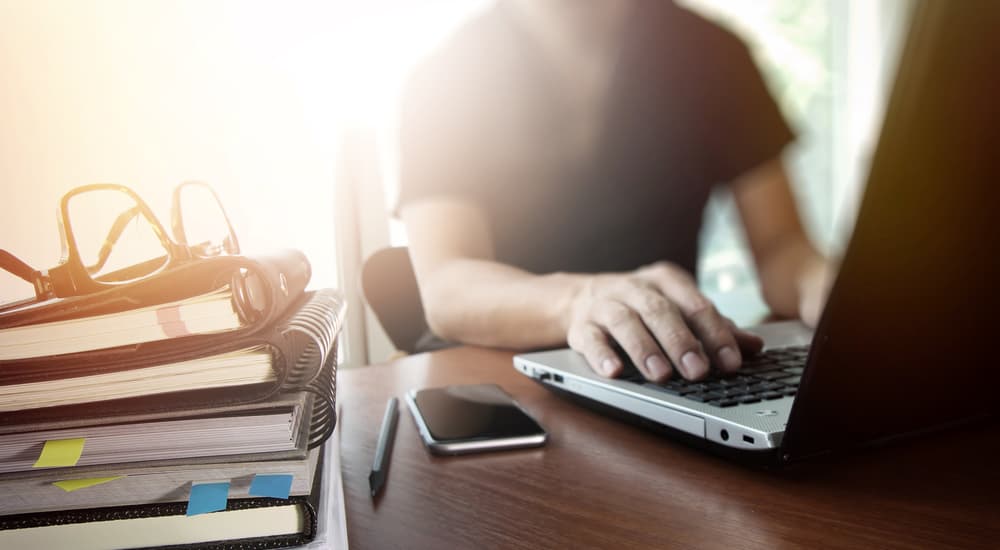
(205, 229)
(112, 233)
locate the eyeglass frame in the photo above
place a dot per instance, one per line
(72, 278)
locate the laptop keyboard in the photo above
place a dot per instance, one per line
(769, 375)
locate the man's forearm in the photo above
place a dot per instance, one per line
(487, 303)
(792, 279)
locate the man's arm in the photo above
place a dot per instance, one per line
(794, 277)
(468, 297)
(656, 313)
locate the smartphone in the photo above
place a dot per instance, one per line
(472, 418)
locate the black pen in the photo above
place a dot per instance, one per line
(384, 446)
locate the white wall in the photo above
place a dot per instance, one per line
(252, 96)
(153, 92)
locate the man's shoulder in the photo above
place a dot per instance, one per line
(707, 36)
(465, 61)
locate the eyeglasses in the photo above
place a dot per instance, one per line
(134, 246)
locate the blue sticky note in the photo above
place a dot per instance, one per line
(271, 485)
(207, 497)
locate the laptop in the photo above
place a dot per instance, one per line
(907, 343)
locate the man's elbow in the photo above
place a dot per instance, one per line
(442, 314)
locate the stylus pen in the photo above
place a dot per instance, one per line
(384, 446)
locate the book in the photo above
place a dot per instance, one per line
(237, 368)
(144, 482)
(283, 356)
(203, 314)
(281, 423)
(209, 422)
(220, 294)
(254, 522)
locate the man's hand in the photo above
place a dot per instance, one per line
(661, 321)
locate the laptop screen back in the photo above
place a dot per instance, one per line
(908, 341)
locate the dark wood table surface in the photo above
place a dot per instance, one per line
(602, 483)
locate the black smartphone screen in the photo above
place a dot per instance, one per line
(473, 412)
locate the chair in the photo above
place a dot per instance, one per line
(390, 288)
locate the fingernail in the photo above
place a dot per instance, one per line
(729, 358)
(657, 366)
(694, 365)
(608, 366)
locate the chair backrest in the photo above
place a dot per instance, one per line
(390, 288)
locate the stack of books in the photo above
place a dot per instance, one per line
(127, 422)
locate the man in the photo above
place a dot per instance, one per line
(556, 157)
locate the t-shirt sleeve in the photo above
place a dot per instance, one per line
(745, 125)
(440, 150)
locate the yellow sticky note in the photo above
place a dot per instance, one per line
(71, 485)
(60, 452)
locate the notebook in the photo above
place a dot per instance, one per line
(279, 424)
(145, 482)
(232, 367)
(225, 293)
(905, 343)
(200, 423)
(253, 522)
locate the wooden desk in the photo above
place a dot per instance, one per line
(600, 483)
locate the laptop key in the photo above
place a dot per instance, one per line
(699, 397)
(663, 388)
(760, 369)
(791, 380)
(693, 388)
(752, 398)
(724, 402)
(768, 396)
(771, 375)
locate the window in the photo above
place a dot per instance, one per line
(828, 64)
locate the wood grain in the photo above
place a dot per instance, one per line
(601, 483)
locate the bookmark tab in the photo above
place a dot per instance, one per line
(169, 319)
(271, 485)
(60, 452)
(207, 497)
(71, 485)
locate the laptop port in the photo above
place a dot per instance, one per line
(724, 434)
(747, 439)
(557, 378)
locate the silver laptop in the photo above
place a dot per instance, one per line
(906, 343)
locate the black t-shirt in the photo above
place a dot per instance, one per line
(687, 109)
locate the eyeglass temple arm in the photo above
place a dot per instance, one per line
(14, 265)
(114, 234)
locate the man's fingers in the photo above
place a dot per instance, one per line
(667, 325)
(627, 328)
(717, 337)
(749, 342)
(700, 315)
(588, 339)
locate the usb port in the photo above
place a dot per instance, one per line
(747, 439)
(557, 378)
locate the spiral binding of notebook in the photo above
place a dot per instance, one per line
(312, 335)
